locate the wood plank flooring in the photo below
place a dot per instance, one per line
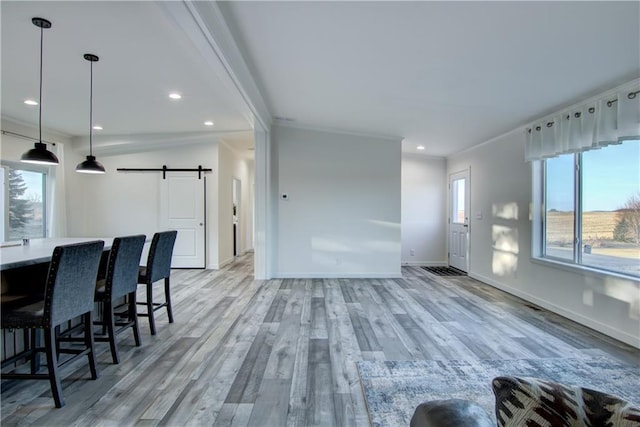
(246, 352)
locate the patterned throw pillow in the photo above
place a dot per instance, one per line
(535, 402)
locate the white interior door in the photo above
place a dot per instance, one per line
(183, 209)
(459, 220)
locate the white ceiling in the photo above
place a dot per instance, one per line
(447, 75)
(143, 57)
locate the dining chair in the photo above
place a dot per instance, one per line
(121, 280)
(158, 267)
(69, 291)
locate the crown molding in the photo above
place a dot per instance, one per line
(302, 126)
(423, 156)
(204, 23)
(134, 143)
(29, 129)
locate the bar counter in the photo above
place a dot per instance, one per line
(39, 251)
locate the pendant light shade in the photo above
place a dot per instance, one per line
(39, 153)
(91, 165)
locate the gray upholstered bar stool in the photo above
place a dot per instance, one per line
(158, 268)
(121, 280)
(69, 292)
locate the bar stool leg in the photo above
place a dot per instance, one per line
(89, 342)
(52, 365)
(109, 321)
(35, 355)
(167, 294)
(152, 321)
(133, 316)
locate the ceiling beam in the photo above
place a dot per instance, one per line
(205, 26)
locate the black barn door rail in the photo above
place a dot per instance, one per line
(165, 169)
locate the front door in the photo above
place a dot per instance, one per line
(182, 208)
(459, 220)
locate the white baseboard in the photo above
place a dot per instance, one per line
(337, 276)
(600, 327)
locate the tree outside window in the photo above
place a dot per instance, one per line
(24, 208)
(20, 209)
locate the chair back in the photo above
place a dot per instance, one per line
(160, 252)
(71, 281)
(123, 264)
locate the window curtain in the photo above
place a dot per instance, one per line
(57, 215)
(606, 119)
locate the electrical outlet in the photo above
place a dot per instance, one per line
(412, 252)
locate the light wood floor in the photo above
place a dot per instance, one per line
(283, 352)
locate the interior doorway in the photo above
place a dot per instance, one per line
(237, 202)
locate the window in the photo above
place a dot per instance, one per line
(23, 203)
(458, 201)
(590, 213)
(560, 208)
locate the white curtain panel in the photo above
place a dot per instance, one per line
(57, 216)
(606, 119)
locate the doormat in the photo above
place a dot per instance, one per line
(445, 271)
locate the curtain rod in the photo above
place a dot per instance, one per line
(165, 169)
(630, 95)
(7, 132)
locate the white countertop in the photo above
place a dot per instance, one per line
(40, 250)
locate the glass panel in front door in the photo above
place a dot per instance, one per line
(459, 210)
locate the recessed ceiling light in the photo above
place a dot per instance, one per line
(30, 102)
(420, 147)
(208, 123)
(175, 95)
(97, 127)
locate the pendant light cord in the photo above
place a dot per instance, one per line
(91, 112)
(40, 104)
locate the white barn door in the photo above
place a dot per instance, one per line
(182, 208)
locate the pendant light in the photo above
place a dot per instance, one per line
(91, 165)
(39, 154)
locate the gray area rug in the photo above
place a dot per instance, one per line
(393, 389)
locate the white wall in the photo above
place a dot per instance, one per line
(125, 203)
(342, 216)
(500, 246)
(119, 203)
(424, 203)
